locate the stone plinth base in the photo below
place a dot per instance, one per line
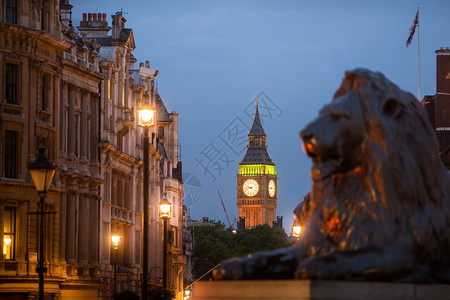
(317, 290)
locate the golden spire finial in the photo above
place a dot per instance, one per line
(257, 100)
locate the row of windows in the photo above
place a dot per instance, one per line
(256, 143)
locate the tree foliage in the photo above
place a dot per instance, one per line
(216, 242)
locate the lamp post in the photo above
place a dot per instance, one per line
(146, 119)
(42, 171)
(115, 239)
(165, 211)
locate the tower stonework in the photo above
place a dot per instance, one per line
(256, 180)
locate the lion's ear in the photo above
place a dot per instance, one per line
(392, 108)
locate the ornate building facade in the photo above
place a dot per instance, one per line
(256, 181)
(78, 94)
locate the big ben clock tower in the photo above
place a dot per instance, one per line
(257, 180)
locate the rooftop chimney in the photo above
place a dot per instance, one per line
(118, 24)
(95, 25)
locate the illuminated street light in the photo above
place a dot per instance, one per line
(165, 211)
(115, 239)
(146, 117)
(42, 171)
(188, 294)
(296, 229)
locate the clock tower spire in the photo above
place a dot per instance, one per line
(256, 179)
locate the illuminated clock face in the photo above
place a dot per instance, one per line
(250, 187)
(271, 188)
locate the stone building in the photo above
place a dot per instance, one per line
(438, 105)
(78, 94)
(257, 181)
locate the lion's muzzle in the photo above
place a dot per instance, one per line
(322, 148)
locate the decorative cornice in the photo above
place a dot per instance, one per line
(129, 160)
(38, 35)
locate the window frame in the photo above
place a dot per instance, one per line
(8, 160)
(15, 84)
(12, 9)
(46, 92)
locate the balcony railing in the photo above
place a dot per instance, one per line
(122, 214)
(80, 61)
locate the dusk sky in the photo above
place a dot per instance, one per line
(213, 58)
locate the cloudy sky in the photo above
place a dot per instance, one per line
(215, 56)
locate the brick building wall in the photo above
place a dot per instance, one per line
(438, 105)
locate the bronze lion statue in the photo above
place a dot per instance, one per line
(379, 205)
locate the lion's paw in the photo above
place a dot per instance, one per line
(314, 268)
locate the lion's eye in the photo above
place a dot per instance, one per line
(339, 115)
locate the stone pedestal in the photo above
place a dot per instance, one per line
(317, 290)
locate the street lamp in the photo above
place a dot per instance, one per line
(165, 211)
(146, 119)
(187, 293)
(42, 171)
(296, 229)
(115, 239)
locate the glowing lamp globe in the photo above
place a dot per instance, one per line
(165, 209)
(296, 230)
(42, 171)
(146, 116)
(115, 239)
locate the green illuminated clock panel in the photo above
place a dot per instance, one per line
(257, 169)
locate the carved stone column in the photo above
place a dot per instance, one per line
(114, 98)
(93, 227)
(63, 224)
(83, 229)
(93, 149)
(62, 117)
(106, 87)
(71, 212)
(71, 134)
(83, 125)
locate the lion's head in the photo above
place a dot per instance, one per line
(335, 139)
(368, 115)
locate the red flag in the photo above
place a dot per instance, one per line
(413, 28)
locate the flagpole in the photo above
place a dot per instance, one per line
(418, 54)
